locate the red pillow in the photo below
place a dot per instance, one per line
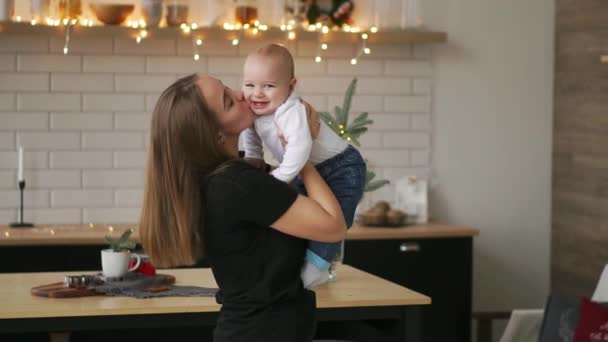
(593, 323)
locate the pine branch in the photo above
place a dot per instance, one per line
(375, 185)
(351, 133)
(348, 97)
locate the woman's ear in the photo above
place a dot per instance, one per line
(221, 138)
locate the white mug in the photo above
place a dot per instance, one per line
(116, 264)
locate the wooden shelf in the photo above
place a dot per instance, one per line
(217, 33)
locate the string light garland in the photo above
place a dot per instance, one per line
(255, 29)
(196, 42)
(322, 45)
(364, 50)
(66, 44)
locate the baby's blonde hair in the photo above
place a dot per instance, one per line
(281, 53)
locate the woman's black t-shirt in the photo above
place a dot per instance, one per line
(257, 268)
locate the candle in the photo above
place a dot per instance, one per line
(20, 172)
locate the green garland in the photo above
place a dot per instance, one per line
(352, 131)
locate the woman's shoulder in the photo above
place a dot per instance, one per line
(236, 172)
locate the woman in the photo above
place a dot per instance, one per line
(201, 200)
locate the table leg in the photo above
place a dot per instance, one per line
(410, 322)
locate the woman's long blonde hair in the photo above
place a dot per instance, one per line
(184, 148)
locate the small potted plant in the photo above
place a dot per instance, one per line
(115, 260)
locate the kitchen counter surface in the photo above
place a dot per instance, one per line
(93, 234)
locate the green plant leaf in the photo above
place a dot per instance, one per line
(121, 243)
(348, 97)
(338, 116)
(130, 245)
(357, 131)
(360, 124)
(375, 185)
(361, 117)
(331, 122)
(125, 235)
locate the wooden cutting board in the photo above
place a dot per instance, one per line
(60, 290)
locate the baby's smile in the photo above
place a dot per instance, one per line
(257, 105)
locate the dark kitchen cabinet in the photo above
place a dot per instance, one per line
(438, 264)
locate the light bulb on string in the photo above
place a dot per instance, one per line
(373, 29)
(318, 59)
(353, 61)
(66, 44)
(367, 50)
(324, 46)
(196, 42)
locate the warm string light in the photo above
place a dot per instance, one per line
(196, 42)
(255, 28)
(323, 30)
(364, 50)
(66, 45)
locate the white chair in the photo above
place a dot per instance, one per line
(523, 326)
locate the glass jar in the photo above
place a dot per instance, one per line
(272, 12)
(246, 11)
(7, 9)
(152, 12)
(71, 9)
(40, 10)
(177, 12)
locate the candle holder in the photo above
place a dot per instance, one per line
(21, 224)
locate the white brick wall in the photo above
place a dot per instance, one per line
(84, 118)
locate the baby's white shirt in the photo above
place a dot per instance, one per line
(290, 119)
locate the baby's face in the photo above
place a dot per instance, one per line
(265, 87)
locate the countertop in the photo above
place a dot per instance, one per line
(93, 234)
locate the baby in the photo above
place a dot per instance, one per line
(268, 87)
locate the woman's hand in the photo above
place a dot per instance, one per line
(314, 120)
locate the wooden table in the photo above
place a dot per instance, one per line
(421, 258)
(356, 295)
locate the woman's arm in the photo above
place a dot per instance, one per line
(316, 217)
